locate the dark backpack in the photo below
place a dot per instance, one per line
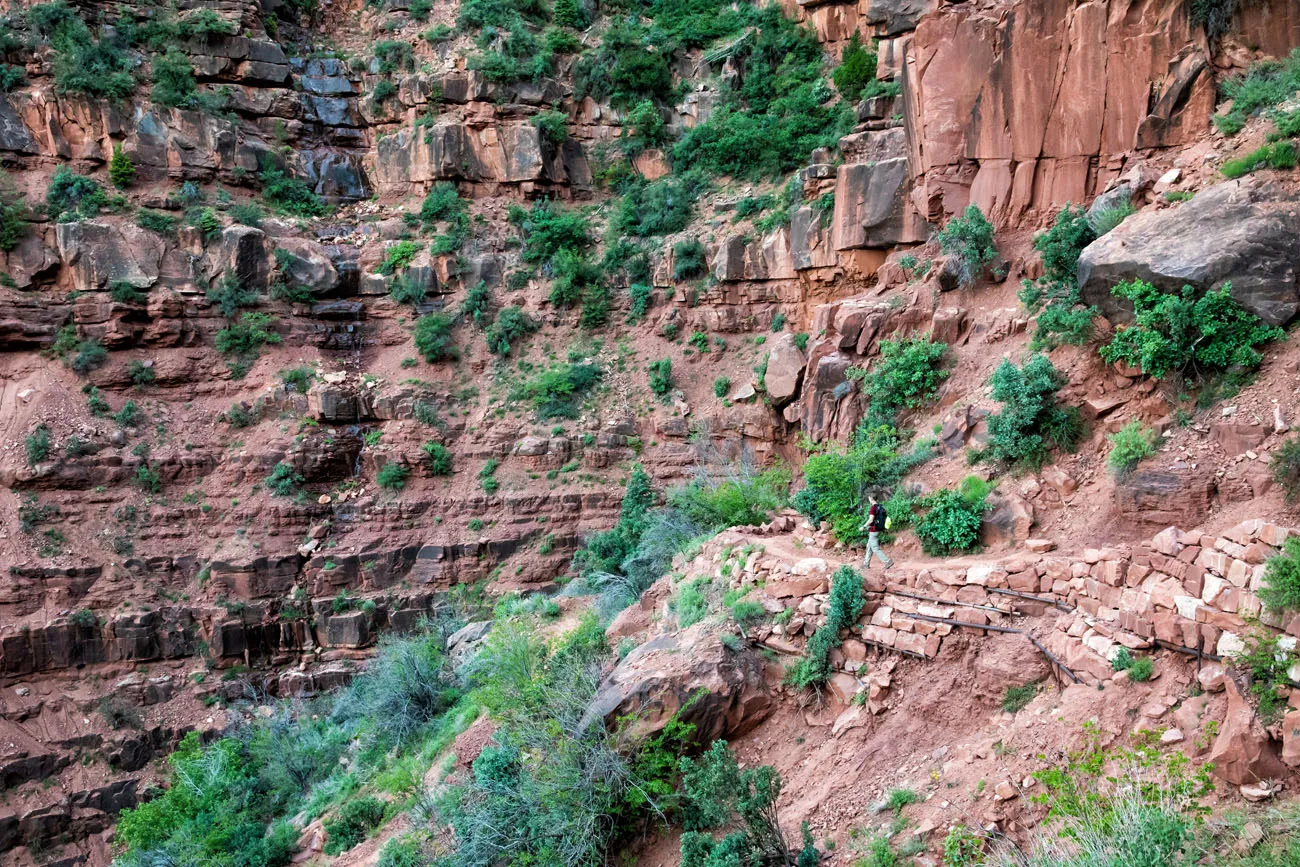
(879, 520)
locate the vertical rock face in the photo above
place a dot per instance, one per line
(1021, 107)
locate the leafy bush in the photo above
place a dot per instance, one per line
(433, 337)
(477, 306)
(968, 240)
(173, 80)
(352, 823)
(689, 260)
(951, 523)
(906, 376)
(1017, 698)
(557, 392)
(88, 355)
(438, 458)
(553, 126)
(661, 376)
(1281, 589)
(511, 324)
(836, 483)
(85, 63)
(1062, 316)
(547, 230)
(721, 386)
(288, 194)
(13, 215)
(662, 207)
(283, 480)
(157, 222)
(1285, 465)
(742, 498)
(846, 602)
(229, 295)
(398, 257)
(242, 341)
(1103, 220)
(128, 415)
(11, 77)
(37, 445)
(1183, 333)
(1277, 155)
(1030, 421)
(392, 476)
(124, 293)
(120, 168)
(71, 195)
(718, 795)
(857, 69)
(1265, 85)
(147, 478)
(963, 847)
(1129, 446)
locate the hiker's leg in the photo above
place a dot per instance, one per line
(873, 548)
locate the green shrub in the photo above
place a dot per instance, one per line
(203, 24)
(1280, 592)
(1179, 332)
(487, 476)
(283, 480)
(157, 222)
(124, 293)
(173, 80)
(1129, 446)
(1030, 421)
(71, 195)
(89, 355)
(392, 476)
(352, 823)
(951, 523)
(836, 483)
(1277, 155)
(433, 337)
(661, 376)
(38, 445)
(968, 240)
(511, 324)
(229, 295)
(128, 415)
(661, 207)
(83, 618)
(407, 289)
(398, 257)
(12, 77)
(242, 340)
(246, 214)
(721, 386)
(1285, 466)
(94, 65)
(1062, 316)
(1106, 219)
(288, 194)
(1265, 85)
(1017, 698)
(477, 306)
(298, 379)
(207, 222)
(547, 230)
(120, 168)
(438, 458)
(13, 215)
(1141, 670)
(147, 478)
(403, 851)
(689, 260)
(857, 69)
(553, 126)
(557, 392)
(907, 375)
(845, 605)
(140, 373)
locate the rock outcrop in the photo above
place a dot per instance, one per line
(1245, 233)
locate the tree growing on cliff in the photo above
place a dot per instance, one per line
(120, 168)
(1031, 421)
(856, 70)
(968, 241)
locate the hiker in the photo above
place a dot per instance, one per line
(874, 525)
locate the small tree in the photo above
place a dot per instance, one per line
(1281, 590)
(1130, 445)
(857, 69)
(968, 240)
(1030, 422)
(433, 338)
(661, 376)
(120, 168)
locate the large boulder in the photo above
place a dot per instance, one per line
(719, 690)
(1244, 232)
(784, 370)
(872, 208)
(1243, 752)
(307, 264)
(100, 253)
(246, 254)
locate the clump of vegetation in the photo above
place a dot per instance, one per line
(846, 602)
(438, 458)
(433, 337)
(718, 796)
(229, 295)
(1140, 669)
(558, 391)
(968, 241)
(1285, 466)
(393, 476)
(242, 341)
(13, 215)
(71, 196)
(288, 194)
(1183, 333)
(952, 519)
(1062, 315)
(511, 324)
(906, 376)
(284, 480)
(689, 260)
(1017, 698)
(86, 63)
(661, 376)
(1129, 446)
(120, 168)
(1267, 663)
(1281, 589)
(1274, 155)
(1264, 86)
(1030, 422)
(837, 482)
(157, 222)
(37, 445)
